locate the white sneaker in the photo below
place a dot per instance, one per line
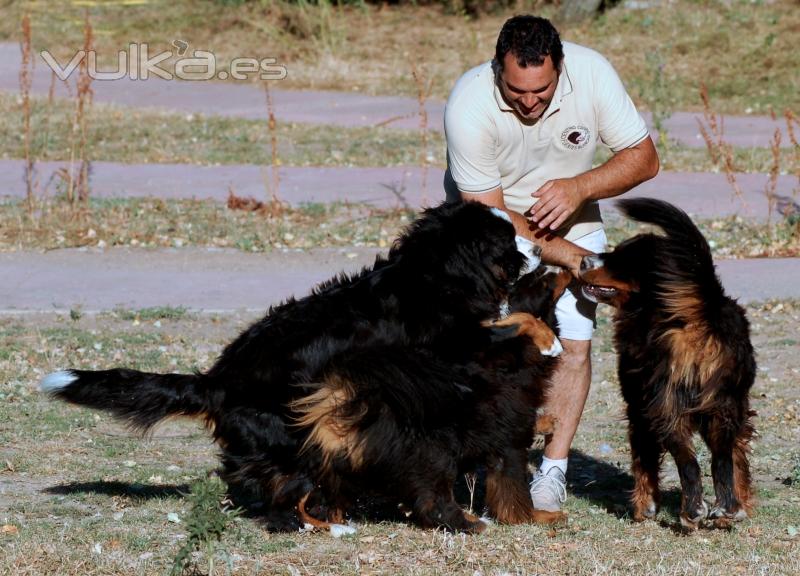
(549, 491)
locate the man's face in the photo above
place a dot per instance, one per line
(528, 90)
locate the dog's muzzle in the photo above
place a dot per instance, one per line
(591, 262)
(532, 253)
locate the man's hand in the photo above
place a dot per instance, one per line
(558, 200)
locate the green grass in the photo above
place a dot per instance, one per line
(743, 49)
(154, 313)
(86, 497)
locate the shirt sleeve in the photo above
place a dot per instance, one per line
(471, 155)
(619, 123)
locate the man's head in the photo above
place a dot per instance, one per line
(527, 62)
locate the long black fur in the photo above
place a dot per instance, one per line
(686, 362)
(386, 381)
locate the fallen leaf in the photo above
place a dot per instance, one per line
(9, 529)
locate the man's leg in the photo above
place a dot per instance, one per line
(565, 401)
(567, 396)
(569, 389)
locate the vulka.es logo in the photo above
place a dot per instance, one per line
(136, 63)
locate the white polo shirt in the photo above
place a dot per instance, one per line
(489, 146)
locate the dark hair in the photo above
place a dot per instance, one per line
(530, 39)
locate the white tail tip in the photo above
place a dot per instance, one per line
(55, 381)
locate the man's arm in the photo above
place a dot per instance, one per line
(559, 199)
(555, 249)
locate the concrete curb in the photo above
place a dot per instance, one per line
(228, 280)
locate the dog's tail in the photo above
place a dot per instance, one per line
(691, 257)
(675, 223)
(687, 278)
(141, 399)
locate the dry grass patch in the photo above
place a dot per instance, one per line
(743, 49)
(155, 223)
(85, 497)
(129, 135)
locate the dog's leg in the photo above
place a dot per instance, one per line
(430, 493)
(742, 480)
(307, 518)
(724, 443)
(539, 332)
(438, 508)
(693, 507)
(646, 453)
(507, 494)
(333, 524)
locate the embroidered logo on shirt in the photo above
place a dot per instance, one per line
(575, 137)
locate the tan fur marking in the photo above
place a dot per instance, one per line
(332, 432)
(742, 480)
(600, 277)
(545, 424)
(541, 334)
(695, 353)
(307, 518)
(545, 517)
(562, 281)
(643, 497)
(508, 502)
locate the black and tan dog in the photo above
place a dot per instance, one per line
(390, 381)
(686, 363)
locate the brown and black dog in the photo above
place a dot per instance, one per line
(686, 362)
(387, 382)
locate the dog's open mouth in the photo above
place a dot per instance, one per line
(597, 293)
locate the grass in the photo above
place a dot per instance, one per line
(745, 46)
(85, 497)
(154, 313)
(155, 223)
(135, 136)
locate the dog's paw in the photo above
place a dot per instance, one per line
(555, 349)
(648, 512)
(723, 519)
(691, 519)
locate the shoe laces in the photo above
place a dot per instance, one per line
(552, 484)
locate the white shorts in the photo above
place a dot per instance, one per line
(576, 314)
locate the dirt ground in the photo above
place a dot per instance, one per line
(80, 495)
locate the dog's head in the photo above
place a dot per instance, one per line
(652, 265)
(467, 250)
(617, 277)
(537, 292)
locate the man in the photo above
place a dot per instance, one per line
(521, 133)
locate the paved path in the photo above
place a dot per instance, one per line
(323, 107)
(701, 194)
(226, 280)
